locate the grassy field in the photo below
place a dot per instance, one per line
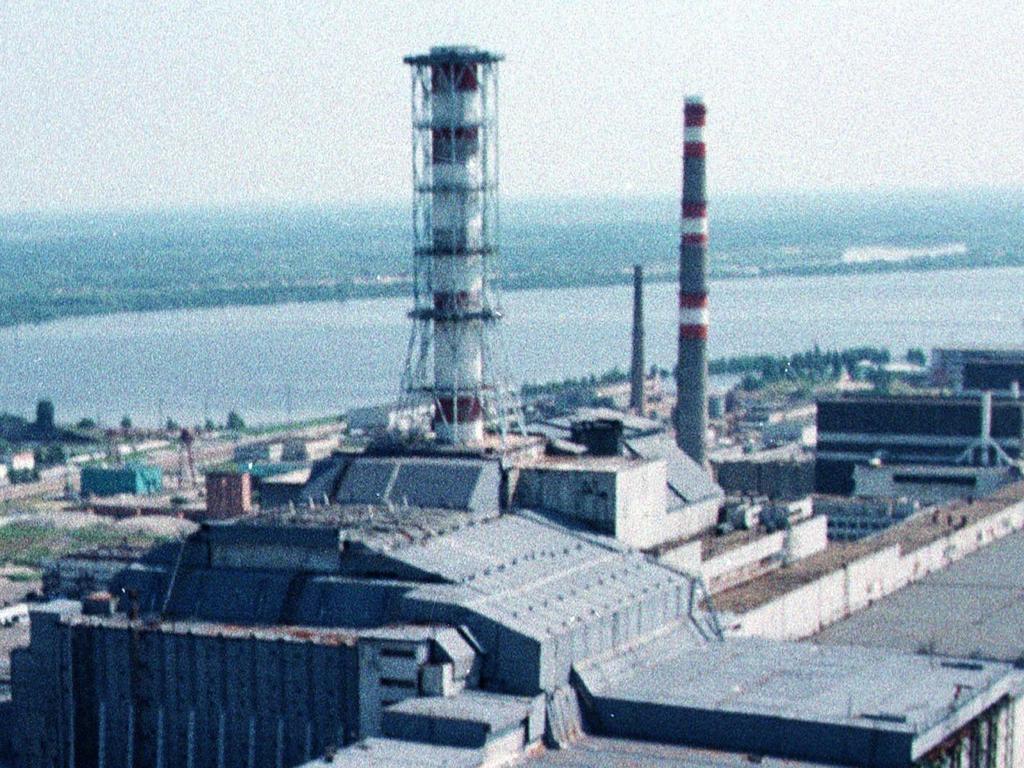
(30, 543)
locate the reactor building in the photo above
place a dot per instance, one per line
(481, 598)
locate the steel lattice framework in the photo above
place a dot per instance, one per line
(454, 349)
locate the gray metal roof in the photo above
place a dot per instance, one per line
(972, 608)
(686, 479)
(536, 577)
(759, 685)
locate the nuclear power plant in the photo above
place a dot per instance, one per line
(485, 592)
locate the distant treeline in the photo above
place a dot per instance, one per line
(614, 376)
(38, 306)
(814, 365)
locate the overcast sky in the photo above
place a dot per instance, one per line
(108, 105)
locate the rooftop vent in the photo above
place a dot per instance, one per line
(602, 437)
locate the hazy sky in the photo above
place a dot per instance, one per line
(106, 104)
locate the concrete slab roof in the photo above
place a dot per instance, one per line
(392, 753)
(608, 752)
(799, 699)
(498, 711)
(973, 608)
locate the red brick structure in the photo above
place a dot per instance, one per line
(228, 494)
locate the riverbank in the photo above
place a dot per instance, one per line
(29, 308)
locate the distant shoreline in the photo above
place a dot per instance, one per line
(56, 308)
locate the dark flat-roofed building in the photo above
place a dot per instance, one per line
(900, 429)
(977, 369)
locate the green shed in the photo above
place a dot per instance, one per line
(136, 479)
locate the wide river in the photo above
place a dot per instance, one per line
(296, 360)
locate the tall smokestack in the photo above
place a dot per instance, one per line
(636, 370)
(691, 414)
(455, 220)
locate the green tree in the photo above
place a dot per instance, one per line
(87, 423)
(917, 356)
(235, 422)
(44, 416)
(172, 425)
(126, 422)
(881, 379)
(50, 455)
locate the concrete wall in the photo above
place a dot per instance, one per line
(690, 520)
(742, 563)
(806, 538)
(641, 502)
(775, 479)
(686, 557)
(808, 609)
(315, 550)
(589, 496)
(934, 486)
(627, 501)
(753, 734)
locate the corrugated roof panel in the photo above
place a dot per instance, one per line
(366, 481)
(447, 485)
(540, 580)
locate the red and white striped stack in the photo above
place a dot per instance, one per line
(691, 375)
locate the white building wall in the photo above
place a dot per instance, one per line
(810, 608)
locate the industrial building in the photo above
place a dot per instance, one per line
(466, 630)
(851, 519)
(977, 370)
(132, 478)
(859, 429)
(228, 494)
(479, 594)
(778, 473)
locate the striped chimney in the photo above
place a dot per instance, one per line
(691, 413)
(455, 186)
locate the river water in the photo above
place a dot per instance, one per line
(297, 360)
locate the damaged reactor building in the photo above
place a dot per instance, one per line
(476, 594)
